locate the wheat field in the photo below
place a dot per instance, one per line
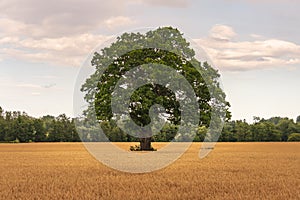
(230, 171)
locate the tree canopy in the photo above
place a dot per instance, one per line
(163, 46)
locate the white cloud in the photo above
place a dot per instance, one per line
(62, 32)
(256, 36)
(35, 86)
(35, 93)
(9, 40)
(229, 54)
(222, 32)
(58, 18)
(59, 32)
(28, 85)
(165, 3)
(226, 52)
(118, 21)
(51, 85)
(69, 51)
(55, 18)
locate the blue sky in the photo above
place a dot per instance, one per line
(255, 45)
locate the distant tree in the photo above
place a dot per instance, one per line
(265, 131)
(298, 119)
(294, 137)
(242, 131)
(200, 134)
(1, 112)
(2, 125)
(61, 130)
(23, 128)
(113, 132)
(286, 126)
(167, 133)
(48, 125)
(228, 132)
(8, 115)
(40, 130)
(274, 120)
(256, 119)
(298, 127)
(74, 137)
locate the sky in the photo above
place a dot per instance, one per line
(254, 44)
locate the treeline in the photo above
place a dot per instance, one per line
(19, 127)
(273, 129)
(262, 130)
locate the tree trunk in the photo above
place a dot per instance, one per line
(145, 144)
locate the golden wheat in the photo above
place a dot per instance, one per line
(230, 171)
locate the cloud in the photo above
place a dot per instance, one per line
(222, 32)
(57, 32)
(222, 45)
(9, 40)
(229, 54)
(62, 32)
(256, 36)
(68, 51)
(28, 85)
(35, 93)
(56, 18)
(165, 3)
(51, 85)
(118, 21)
(35, 88)
(47, 77)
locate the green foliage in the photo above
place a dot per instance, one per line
(264, 131)
(138, 148)
(200, 134)
(167, 133)
(273, 129)
(294, 137)
(228, 132)
(286, 126)
(19, 127)
(164, 46)
(114, 133)
(298, 119)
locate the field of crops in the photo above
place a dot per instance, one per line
(230, 171)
